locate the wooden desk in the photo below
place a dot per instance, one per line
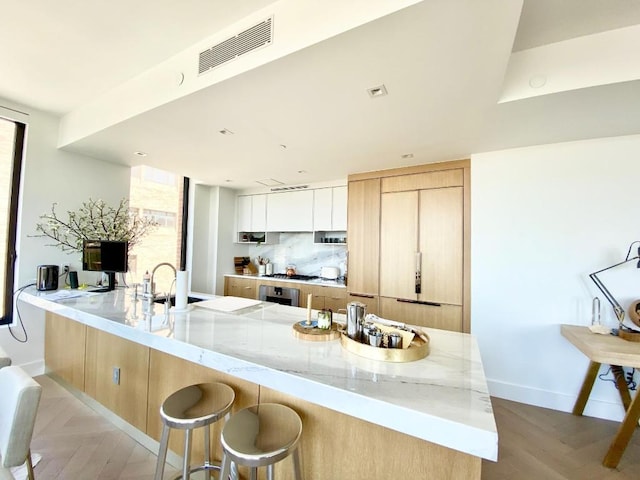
(618, 353)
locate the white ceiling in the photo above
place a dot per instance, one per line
(442, 62)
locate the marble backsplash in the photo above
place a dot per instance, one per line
(298, 249)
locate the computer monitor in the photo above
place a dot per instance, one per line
(108, 256)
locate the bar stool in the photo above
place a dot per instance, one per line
(261, 435)
(193, 407)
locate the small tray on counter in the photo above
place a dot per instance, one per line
(314, 333)
(419, 348)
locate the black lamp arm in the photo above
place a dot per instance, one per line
(618, 310)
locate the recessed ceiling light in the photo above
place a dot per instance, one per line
(225, 131)
(140, 154)
(537, 81)
(379, 91)
(407, 155)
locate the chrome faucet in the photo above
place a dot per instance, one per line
(153, 272)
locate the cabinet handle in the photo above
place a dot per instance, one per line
(418, 273)
(418, 302)
(361, 295)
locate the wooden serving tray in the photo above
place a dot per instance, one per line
(418, 349)
(316, 334)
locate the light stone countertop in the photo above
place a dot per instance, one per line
(442, 398)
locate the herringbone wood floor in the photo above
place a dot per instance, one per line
(534, 444)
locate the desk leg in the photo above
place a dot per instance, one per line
(585, 390)
(621, 440)
(621, 382)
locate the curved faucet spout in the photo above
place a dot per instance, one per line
(153, 272)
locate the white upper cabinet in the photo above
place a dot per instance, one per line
(322, 206)
(330, 209)
(290, 211)
(252, 213)
(339, 208)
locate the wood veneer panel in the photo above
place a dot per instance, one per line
(428, 167)
(128, 399)
(445, 317)
(398, 244)
(423, 181)
(441, 244)
(363, 236)
(168, 374)
(64, 349)
(466, 279)
(337, 446)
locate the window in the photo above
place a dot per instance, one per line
(11, 147)
(164, 219)
(160, 195)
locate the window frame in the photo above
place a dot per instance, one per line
(12, 234)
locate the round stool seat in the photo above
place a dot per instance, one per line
(197, 405)
(189, 408)
(261, 435)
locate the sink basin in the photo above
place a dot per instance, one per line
(173, 300)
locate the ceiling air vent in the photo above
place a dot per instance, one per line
(255, 37)
(283, 189)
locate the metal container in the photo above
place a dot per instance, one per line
(47, 277)
(355, 320)
(375, 338)
(395, 340)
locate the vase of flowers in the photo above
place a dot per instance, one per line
(94, 220)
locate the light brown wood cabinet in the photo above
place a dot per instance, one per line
(363, 234)
(334, 298)
(370, 302)
(128, 397)
(240, 287)
(424, 245)
(64, 349)
(421, 245)
(85, 358)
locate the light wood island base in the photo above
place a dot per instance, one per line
(333, 445)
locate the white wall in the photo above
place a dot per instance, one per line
(213, 233)
(543, 218)
(50, 175)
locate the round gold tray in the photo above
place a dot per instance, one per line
(418, 349)
(315, 334)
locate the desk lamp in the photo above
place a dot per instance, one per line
(617, 309)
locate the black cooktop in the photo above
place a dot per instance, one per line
(292, 277)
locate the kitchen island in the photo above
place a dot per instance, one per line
(362, 418)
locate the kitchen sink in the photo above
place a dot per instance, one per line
(173, 300)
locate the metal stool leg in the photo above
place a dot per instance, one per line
(207, 447)
(162, 453)
(225, 467)
(186, 464)
(270, 472)
(254, 474)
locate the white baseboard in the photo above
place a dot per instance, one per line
(34, 368)
(554, 400)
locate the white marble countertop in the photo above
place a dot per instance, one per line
(442, 398)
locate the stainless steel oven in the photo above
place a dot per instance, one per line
(281, 295)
